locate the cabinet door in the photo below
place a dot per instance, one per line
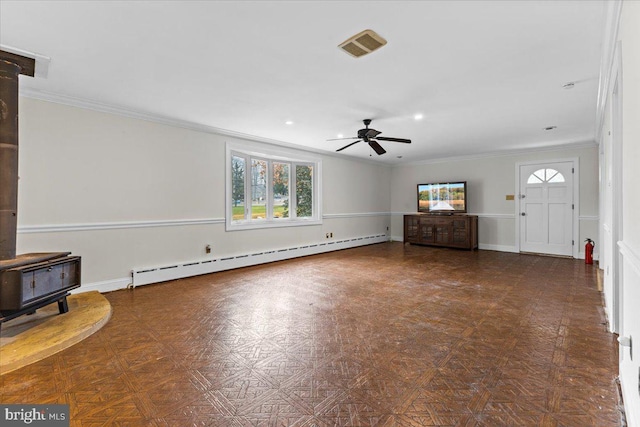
(411, 228)
(460, 232)
(427, 234)
(442, 234)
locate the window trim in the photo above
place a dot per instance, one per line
(250, 150)
(546, 180)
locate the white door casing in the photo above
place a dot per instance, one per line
(617, 318)
(546, 208)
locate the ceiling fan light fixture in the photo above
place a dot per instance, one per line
(370, 136)
(362, 43)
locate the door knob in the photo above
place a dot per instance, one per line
(523, 214)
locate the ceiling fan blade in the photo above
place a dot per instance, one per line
(384, 138)
(376, 147)
(340, 139)
(348, 145)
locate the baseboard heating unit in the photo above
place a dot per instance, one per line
(145, 276)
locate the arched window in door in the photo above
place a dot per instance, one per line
(545, 175)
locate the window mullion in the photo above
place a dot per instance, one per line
(292, 193)
(269, 191)
(314, 186)
(290, 185)
(247, 189)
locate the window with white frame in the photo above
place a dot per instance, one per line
(271, 190)
(545, 175)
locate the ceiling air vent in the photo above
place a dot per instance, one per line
(362, 43)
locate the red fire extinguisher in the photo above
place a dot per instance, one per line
(588, 251)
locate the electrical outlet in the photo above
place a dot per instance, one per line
(327, 235)
(331, 234)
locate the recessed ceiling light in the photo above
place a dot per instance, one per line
(550, 127)
(418, 116)
(288, 122)
(340, 135)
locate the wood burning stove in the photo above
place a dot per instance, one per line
(34, 280)
(30, 281)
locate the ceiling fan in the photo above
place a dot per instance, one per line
(370, 136)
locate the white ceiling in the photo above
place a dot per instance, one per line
(487, 76)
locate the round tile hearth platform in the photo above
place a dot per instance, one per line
(28, 339)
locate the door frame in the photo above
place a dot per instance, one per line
(576, 198)
(616, 165)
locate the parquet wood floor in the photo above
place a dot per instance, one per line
(384, 335)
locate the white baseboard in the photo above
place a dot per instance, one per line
(499, 248)
(481, 246)
(144, 276)
(148, 275)
(581, 255)
(104, 286)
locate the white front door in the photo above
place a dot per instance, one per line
(546, 208)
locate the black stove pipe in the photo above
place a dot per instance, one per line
(11, 66)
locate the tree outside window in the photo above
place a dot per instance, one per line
(258, 189)
(237, 187)
(304, 191)
(281, 190)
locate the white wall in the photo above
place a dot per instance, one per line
(126, 193)
(629, 36)
(489, 181)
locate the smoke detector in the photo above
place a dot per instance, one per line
(362, 43)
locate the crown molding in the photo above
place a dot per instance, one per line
(184, 124)
(156, 118)
(140, 115)
(41, 62)
(503, 153)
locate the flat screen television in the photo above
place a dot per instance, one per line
(443, 197)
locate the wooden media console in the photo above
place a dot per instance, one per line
(453, 231)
